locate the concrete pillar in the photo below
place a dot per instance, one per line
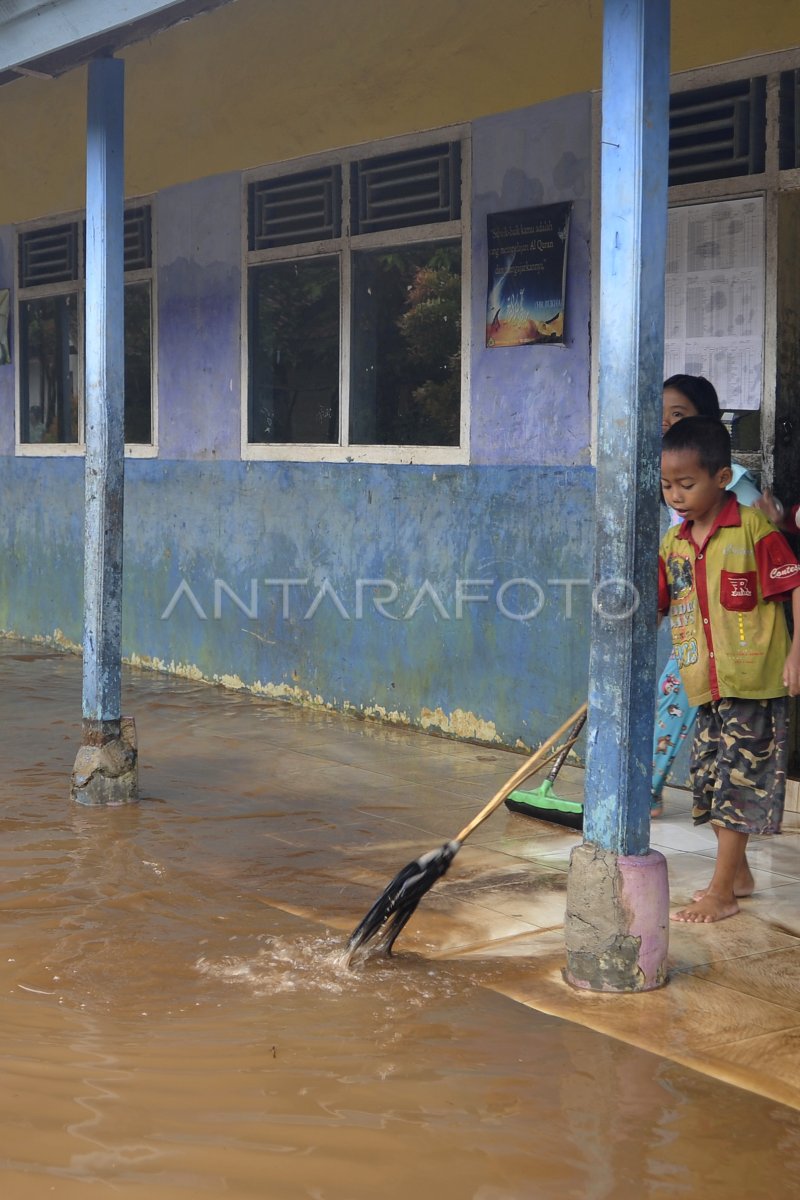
(105, 769)
(618, 896)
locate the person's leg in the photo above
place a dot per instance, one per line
(718, 900)
(741, 790)
(703, 762)
(674, 718)
(743, 884)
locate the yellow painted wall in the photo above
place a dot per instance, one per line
(260, 81)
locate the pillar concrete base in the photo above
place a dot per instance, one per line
(617, 925)
(109, 773)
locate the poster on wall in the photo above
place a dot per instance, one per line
(714, 310)
(527, 275)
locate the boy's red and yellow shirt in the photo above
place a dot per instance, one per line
(728, 631)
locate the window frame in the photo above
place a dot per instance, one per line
(343, 248)
(77, 287)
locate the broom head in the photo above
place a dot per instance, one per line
(396, 904)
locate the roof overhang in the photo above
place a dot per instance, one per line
(49, 37)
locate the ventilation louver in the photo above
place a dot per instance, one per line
(295, 208)
(416, 187)
(48, 256)
(717, 132)
(138, 241)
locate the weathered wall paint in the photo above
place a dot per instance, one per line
(254, 82)
(198, 521)
(198, 513)
(198, 256)
(531, 403)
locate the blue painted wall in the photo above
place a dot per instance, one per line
(198, 257)
(236, 522)
(523, 508)
(531, 403)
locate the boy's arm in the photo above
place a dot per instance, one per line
(791, 670)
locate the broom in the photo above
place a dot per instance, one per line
(397, 902)
(543, 803)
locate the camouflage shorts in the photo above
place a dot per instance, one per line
(739, 760)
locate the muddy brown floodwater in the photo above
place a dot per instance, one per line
(166, 1034)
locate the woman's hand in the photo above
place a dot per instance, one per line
(791, 668)
(771, 507)
(791, 672)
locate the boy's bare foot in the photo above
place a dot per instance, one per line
(739, 893)
(743, 885)
(708, 908)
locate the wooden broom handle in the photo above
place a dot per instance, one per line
(528, 767)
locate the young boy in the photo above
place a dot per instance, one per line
(722, 574)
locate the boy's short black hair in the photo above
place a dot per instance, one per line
(707, 437)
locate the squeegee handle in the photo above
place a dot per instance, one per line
(562, 754)
(528, 768)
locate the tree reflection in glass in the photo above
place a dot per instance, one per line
(406, 355)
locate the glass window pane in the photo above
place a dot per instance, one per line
(138, 368)
(294, 351)
(406, 353)
(49, 369)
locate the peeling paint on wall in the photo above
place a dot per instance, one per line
(275, 691)
(460, 723)
(393, 716)
(57, 640)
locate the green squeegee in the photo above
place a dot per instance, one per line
(542, 802)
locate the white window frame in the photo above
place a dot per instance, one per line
(78, 288)
(342, 247)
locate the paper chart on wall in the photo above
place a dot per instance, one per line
(714, 311)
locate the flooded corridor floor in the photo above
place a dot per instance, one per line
(176, 1024)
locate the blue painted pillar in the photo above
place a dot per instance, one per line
(633, 228)
(104, 437)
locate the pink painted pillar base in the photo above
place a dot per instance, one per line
(617, 925)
